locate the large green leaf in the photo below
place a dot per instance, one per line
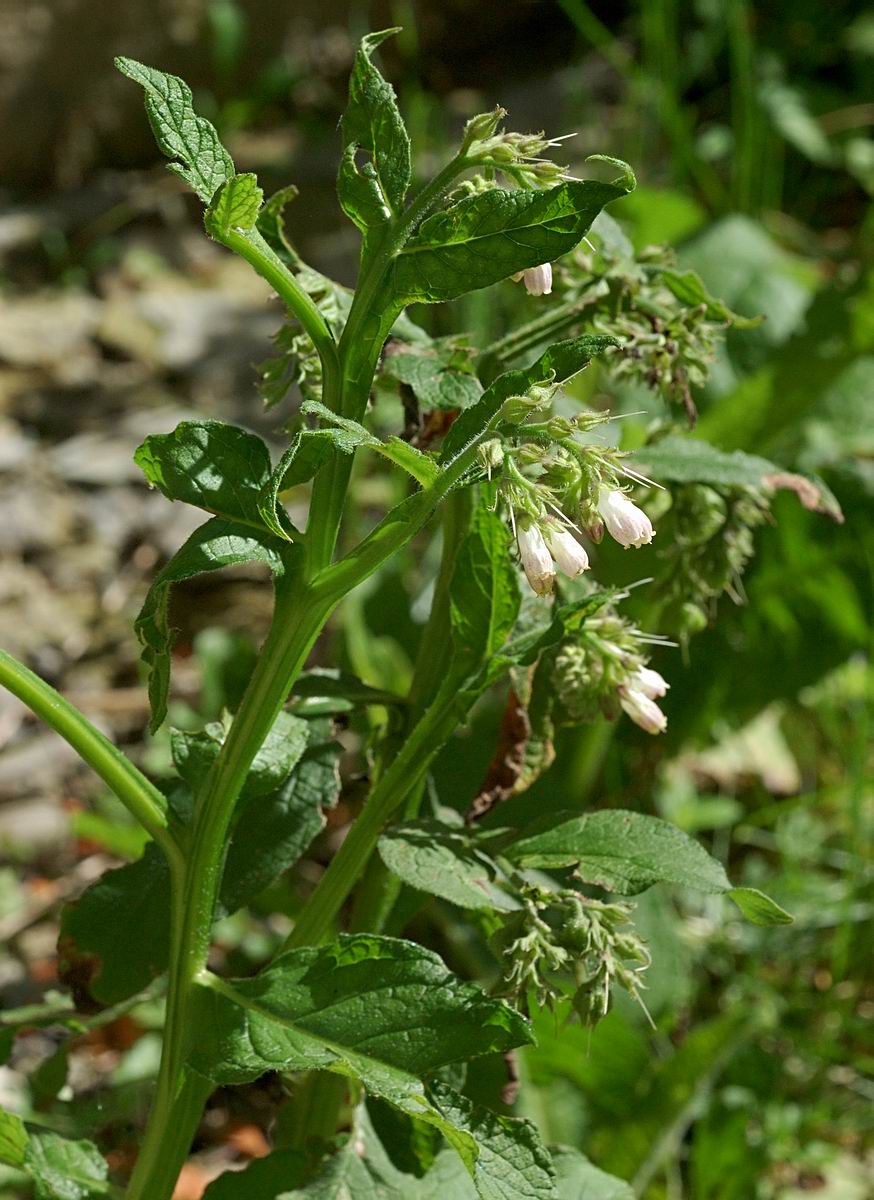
(100, 960)
(677, 459)
(219, 543)
(439, 373)
(64, 1170)
(624, 852)
(194, 754)
(199, 157)
(491, 235)
(443, 860)
(372, 191)
(484, 594)
(385, 1011)
(217, 467)
(558, 364)
(578, 1179)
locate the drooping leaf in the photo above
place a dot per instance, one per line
(689, 289)
(484, 594)
(491, 235)
(442, 860)
(217, 467)
(558, 364)
(102, 962)
(578, 1179)
(65, 1170)
(678, 459)
(198, 155)
(235, 207)
(758, 908)
(194, 754)
(219, 543)
(348, 435)
(13, 1139)
(375, 170)
(623, 852)
(340, 1007)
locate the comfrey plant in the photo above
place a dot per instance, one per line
(349, 1019)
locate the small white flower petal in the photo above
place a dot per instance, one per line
(536, 560)
(650, 682)
(642, 710)
(628, 524)
(570, 557)
(538, 280)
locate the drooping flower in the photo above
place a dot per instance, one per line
(536, 560)
(625, 522)
(538, 280)
(642, 710)
(569, 555)
(650, 682)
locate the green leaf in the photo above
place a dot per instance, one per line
(64, 1170)
(341, 1007)
(194, 754)
(348, 435)
(217, 467)
(578, 1179)
(199, 157)
(235, 207)
(268, 1178)
(13, 1139)
(758, 908)
(100, 960)
(689, 289)
(373, 190)
(439, 374)
(484, 593)
(623, 852)
(442, 860)
(491, 235)
(509, 1159)
(219, 543)
(558, 364)
(677, 459)
(330, 690)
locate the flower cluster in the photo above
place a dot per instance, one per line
(564, 933)
(604, 670)
(518, 156)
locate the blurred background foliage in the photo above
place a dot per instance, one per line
(751, 128)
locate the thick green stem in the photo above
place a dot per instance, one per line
(141, 798)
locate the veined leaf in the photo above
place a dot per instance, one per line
(578, 1179)
(689, 289)
(199, 157)
(435, 373)
(64, 1170)
(373, 191)
(678, 459)
(623, 852)
(337, 691)
(758, 908)
(348, 435)
(442, 860)
(217, 467)
(340, 1007)
(491, 235)
(100, 960)
(236, 206)
(279, 754)
(558, 364)
(484, 594)
(218, 543)
(13, 1139)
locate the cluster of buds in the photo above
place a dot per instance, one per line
(604, 670)
(562, 935)
(713, 542)
(518, 156)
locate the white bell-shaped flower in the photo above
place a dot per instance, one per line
(538, 280)
(642, 710)
(536, 560)
(625, 522)
(650, 682)
(569, 555)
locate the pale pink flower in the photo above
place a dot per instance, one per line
(538, 280)
(642, 710)
(569, 555)
(625, 522)
(536, 560)
(650, 682)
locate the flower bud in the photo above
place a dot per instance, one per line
(642, 710)
(650, 682)
(569, 555)
(627, 523)
(536, 560)
(538, 280)
(483, 125)
(491, 454)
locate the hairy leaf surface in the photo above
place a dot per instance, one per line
(442, 860)
(235, 207)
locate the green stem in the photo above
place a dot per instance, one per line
(141, 798)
